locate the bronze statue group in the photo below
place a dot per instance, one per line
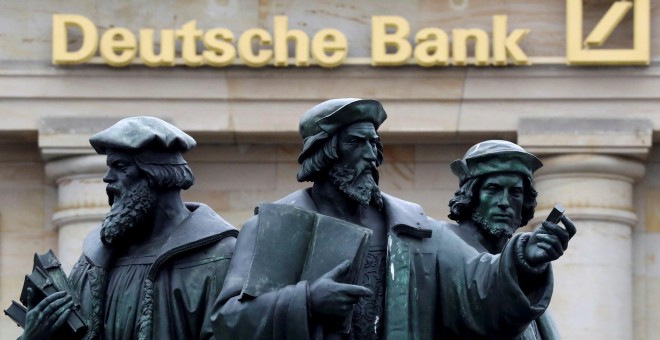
(337, 260)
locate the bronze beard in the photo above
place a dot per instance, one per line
(127, 213)
(492, 231)
(356, 184)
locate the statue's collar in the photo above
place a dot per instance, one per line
(202, 227)
(406, 218)
(402, 217)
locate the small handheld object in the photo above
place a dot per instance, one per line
(556, 214)
(17, 312)
(48, 278)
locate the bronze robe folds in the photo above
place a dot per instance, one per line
(437, 287)
(181, 283)
(479, 296)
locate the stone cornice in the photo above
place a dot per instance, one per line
(548, 136)
(263, 106)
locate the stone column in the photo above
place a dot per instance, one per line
(81, 202)
(76, 173)
(590, 167)
(593, 286)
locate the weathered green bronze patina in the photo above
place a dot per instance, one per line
(495, 198)
(420, 278)
(154, 268)
(341, 153)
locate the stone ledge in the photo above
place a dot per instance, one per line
(626, 137)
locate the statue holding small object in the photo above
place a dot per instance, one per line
(420, 278)
(495, 198)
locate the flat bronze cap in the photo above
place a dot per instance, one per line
(495, 156)
(330, 116)
(136, 133)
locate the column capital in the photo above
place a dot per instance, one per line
(545, 136)
(69, 136)
(592, 165)
(80, 189)
(81, 202)
(594, 187)
(86, 165)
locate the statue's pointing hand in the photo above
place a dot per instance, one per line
(332, 298)
(549, 242)
(47, 316)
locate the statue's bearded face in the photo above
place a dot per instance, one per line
(355, 174)
(499, 209)
(132, 199)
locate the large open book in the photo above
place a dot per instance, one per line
(47, 278)
(294, 244)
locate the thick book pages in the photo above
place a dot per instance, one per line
(279, 255)
(333, 242)
(16, 312)
(47, 278)
(48, 263)
(41, 286)
(295, 244)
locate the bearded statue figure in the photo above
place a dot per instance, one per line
(154, 267)
(341, 154)
(420, 278)
(496, 196)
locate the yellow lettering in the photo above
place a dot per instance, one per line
(166, 54)
(245, 52)
(189, 34)
(282, 37)
(390, 44)
(329, 47)
(459, 50)
(61, 24)
(397, 40)
(432, 47)
(118, 46)
(221, 52)
(504, 45)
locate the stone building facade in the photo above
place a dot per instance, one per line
(594, 127)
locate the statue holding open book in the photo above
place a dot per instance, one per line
(384, 269)
(338, 260)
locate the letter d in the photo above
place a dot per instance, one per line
(90, 41)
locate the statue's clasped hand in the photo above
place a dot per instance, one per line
(47, 316)
(548, 242)
(331, 298)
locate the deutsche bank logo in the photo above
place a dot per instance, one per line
(580, 52)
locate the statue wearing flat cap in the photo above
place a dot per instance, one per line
(154, 267)
(494, 285)
(341, 154)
